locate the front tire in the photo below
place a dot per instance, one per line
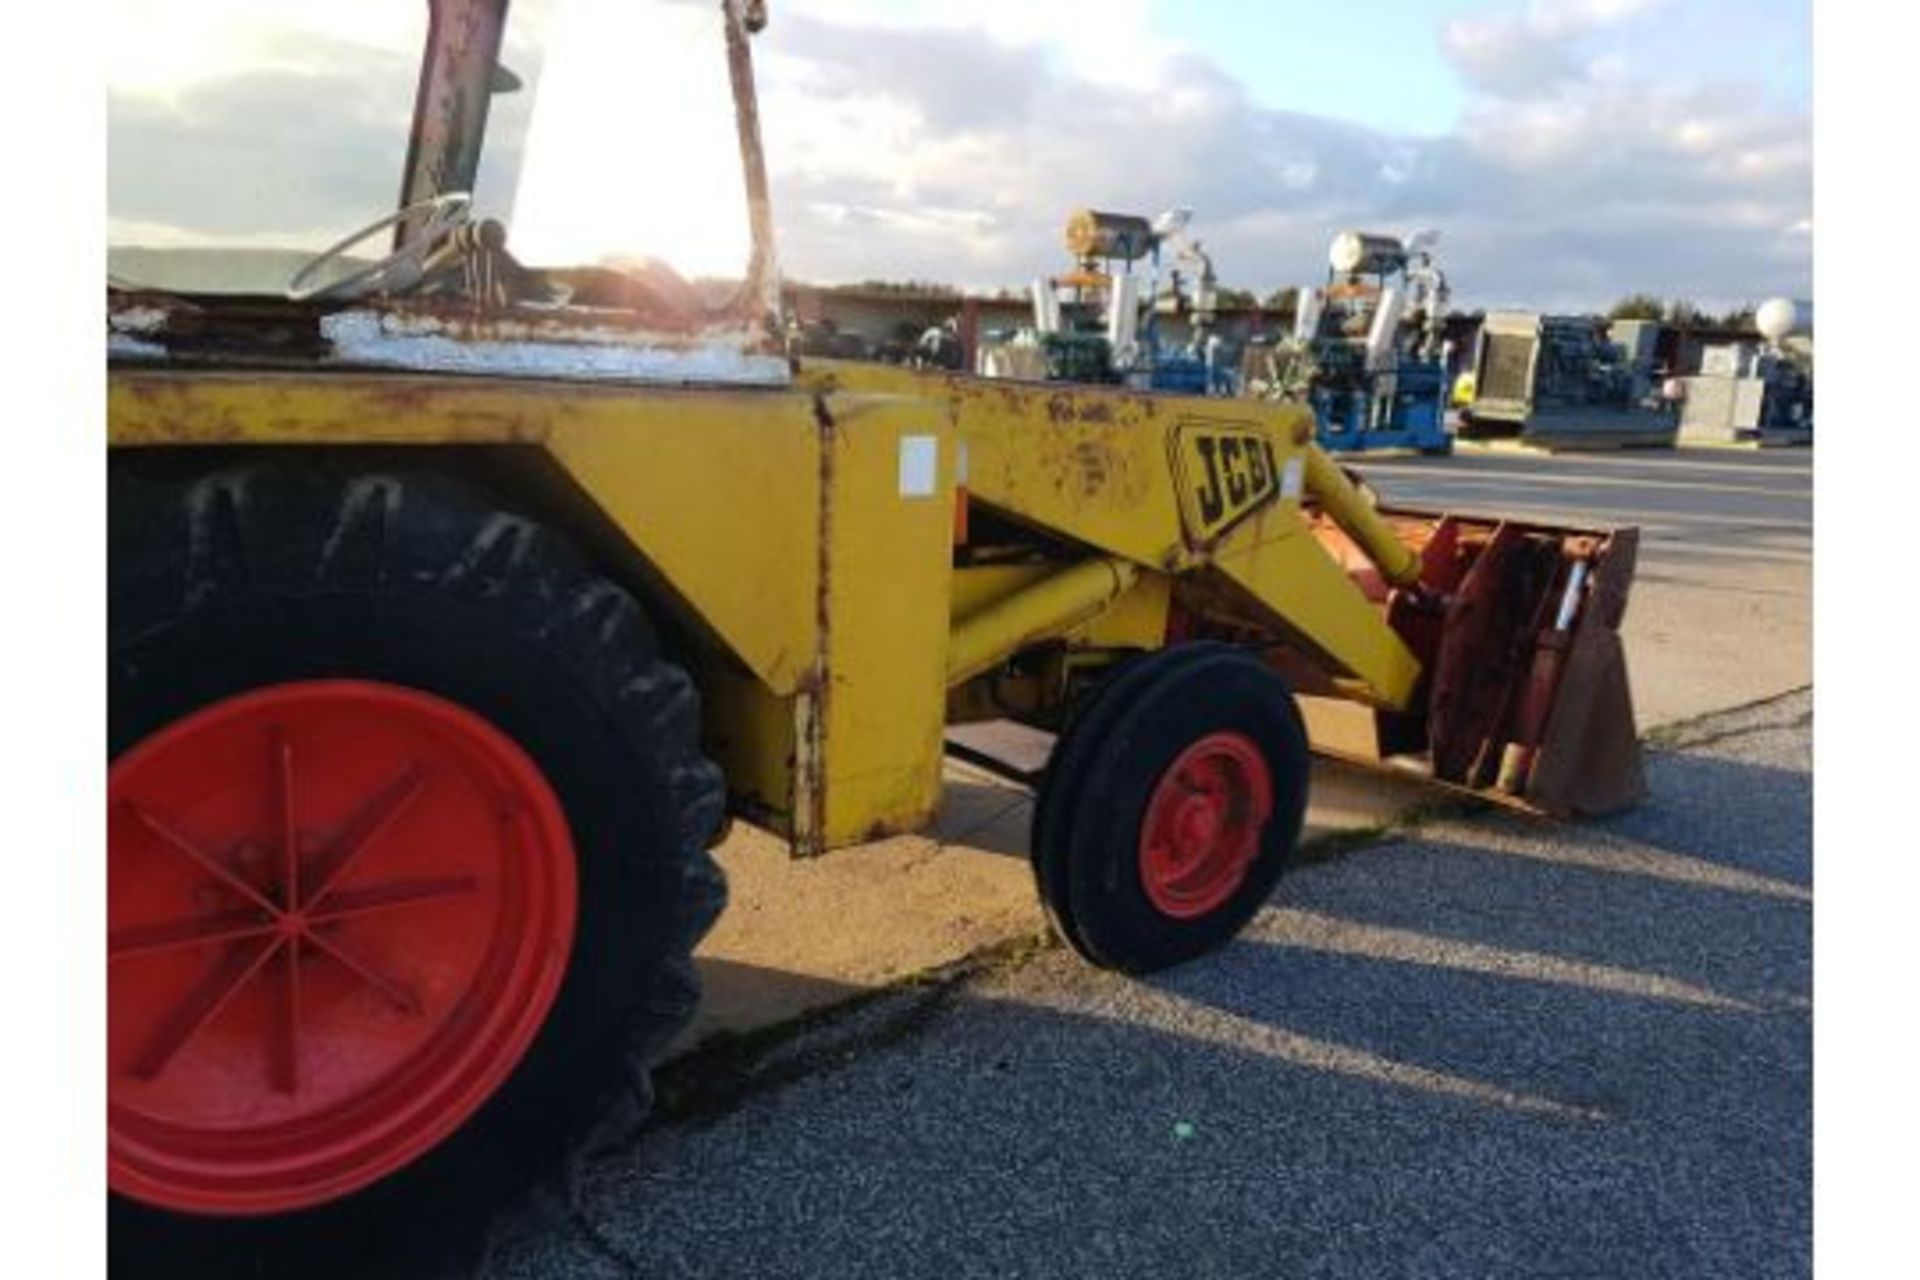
(1171, 808)
(383, 687)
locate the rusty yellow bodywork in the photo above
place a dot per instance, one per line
(806, 533)
(1104, 466)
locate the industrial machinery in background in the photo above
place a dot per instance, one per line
(1087, 326)
(1566, 382)
(449, 622)
(1755, 394)
(1368, 351)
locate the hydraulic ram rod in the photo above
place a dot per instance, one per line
(1358, 520)
(1056, 603)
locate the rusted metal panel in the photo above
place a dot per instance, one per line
(537, 349)
(760, 293)
(577, 344)
(715, 488)
(1524, 700)
(450, 105)
(872, 738)
(1477, 666)
(1589, 761)
(155, 327)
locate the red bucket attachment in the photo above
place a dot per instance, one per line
(1525, 697)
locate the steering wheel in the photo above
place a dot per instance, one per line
(399, 269)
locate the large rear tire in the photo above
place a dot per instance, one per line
(1171, 807)
(407, 859)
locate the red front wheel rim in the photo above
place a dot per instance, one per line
(1203, 825)
(338, 914)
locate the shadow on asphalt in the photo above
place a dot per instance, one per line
(1492, 1048)
(989, 816)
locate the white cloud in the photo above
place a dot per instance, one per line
(925, 139)
(1509, 51)
(1562, 18)
(1106, 42)
(1685, 185)
(1567, 183)
(158, 47)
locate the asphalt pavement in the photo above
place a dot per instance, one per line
(1493, 1046)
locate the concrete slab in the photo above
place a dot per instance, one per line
(803, 935)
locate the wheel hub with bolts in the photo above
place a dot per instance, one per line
(1203, 825)
(339, 912)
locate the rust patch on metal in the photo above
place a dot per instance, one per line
(815, 696)
(1589, 761)
(1482, 621)
(236, 329)
(465, 323)
(1479, 662)
(246, 324)
(450, 101)
(402, 399)
(1088, 406)
(175, 406)
(759, 295)
(1065, 408)
(1092, 467)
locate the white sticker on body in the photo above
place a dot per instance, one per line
(1291, 478)
(919, 466)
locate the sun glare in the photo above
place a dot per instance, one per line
(632, 150)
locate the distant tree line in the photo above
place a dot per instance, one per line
(911, 288)
(1679, 312)
(1282, 300)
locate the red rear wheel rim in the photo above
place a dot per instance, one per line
(1203, 824)
(338, 913)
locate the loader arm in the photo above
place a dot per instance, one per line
(1478, 651)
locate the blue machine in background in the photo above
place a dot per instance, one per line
(1186, 371)
(1366, 351)
(1087, 324)
(1404, 410)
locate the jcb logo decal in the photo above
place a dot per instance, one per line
(1225, 474)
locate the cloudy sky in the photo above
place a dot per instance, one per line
(1569, 151)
